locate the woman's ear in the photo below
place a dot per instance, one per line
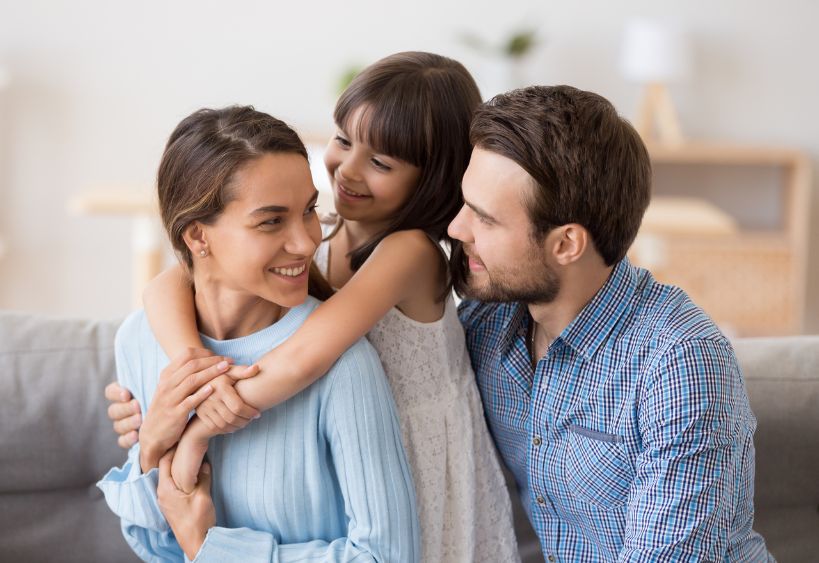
(568, 243)
(196, 240)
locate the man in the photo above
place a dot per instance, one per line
(614, 400)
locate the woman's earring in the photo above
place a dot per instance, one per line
(203, 252)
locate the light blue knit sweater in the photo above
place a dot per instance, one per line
(321, 477)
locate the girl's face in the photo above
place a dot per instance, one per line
(368, 187)
(263, 242)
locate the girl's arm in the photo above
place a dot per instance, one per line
(171, 314)
(402, 264)
(168, 300)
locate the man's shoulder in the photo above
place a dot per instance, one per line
(484, 316)
(666, 314)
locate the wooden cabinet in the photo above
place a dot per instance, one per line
(750, 280)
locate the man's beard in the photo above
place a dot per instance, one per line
(537, 283)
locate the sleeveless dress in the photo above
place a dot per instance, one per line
(463, 503)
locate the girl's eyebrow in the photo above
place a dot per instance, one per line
(281, 208)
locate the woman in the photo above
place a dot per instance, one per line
(321, 476)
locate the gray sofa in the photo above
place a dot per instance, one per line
(55, 442)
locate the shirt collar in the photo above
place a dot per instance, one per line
(599, 318)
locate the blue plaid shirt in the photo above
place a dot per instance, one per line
(632, 440)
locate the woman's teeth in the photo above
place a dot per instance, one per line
(291, 272)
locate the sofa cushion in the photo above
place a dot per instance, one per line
(56, 440)
(782, 378)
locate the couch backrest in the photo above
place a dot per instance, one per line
(56, 441)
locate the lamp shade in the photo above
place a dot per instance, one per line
(655, 52)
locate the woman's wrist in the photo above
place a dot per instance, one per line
(150, 451)
(191, 542)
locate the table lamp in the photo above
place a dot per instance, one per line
(656, 54)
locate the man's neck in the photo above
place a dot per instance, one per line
(224, 313)
(578, 287)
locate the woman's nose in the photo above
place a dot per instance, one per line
(300, 242)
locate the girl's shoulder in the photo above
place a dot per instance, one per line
(413, 244)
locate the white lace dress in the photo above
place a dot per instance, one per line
(463, 503)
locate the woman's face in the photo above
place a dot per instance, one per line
(263, 242)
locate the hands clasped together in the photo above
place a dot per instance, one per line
(176, 443)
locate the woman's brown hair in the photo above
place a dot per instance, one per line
(418, 107)
(201, 157)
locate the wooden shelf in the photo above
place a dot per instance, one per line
(752, 282)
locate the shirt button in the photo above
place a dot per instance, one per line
(540, 500)
(551, 558)
(537, 441)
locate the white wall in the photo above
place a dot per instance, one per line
(98, 85)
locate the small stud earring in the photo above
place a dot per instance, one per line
(203, 253)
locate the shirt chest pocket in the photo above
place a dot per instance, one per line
(597, 467)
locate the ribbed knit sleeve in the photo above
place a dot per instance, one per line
(372, 471)
(321, 477)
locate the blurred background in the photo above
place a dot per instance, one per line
(724, 91)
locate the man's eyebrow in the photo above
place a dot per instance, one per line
(479, 211)
(281, 208)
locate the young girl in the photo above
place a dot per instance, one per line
(395, 164)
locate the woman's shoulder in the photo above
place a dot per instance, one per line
(359, 363)
(133, 330)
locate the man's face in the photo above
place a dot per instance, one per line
(505, 263)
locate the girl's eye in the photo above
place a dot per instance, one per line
(380, 165)
(342, 141)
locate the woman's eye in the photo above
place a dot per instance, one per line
(380, 164)
(311, 209)
(274, 222)
(342, 141)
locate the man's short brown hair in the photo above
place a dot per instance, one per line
(588, 164)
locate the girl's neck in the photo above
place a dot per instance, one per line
(357, 233)
(224, 313)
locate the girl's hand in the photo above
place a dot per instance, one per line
(224, 411)
(124, 412)
(190, 515)
(183, 385)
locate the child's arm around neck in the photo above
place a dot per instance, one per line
(171, 312)
(402, 265)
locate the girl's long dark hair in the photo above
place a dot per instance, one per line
(418, 108)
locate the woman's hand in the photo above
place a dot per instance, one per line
(183, 385)
(224, 411)
(125, 414)
(190, 515)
